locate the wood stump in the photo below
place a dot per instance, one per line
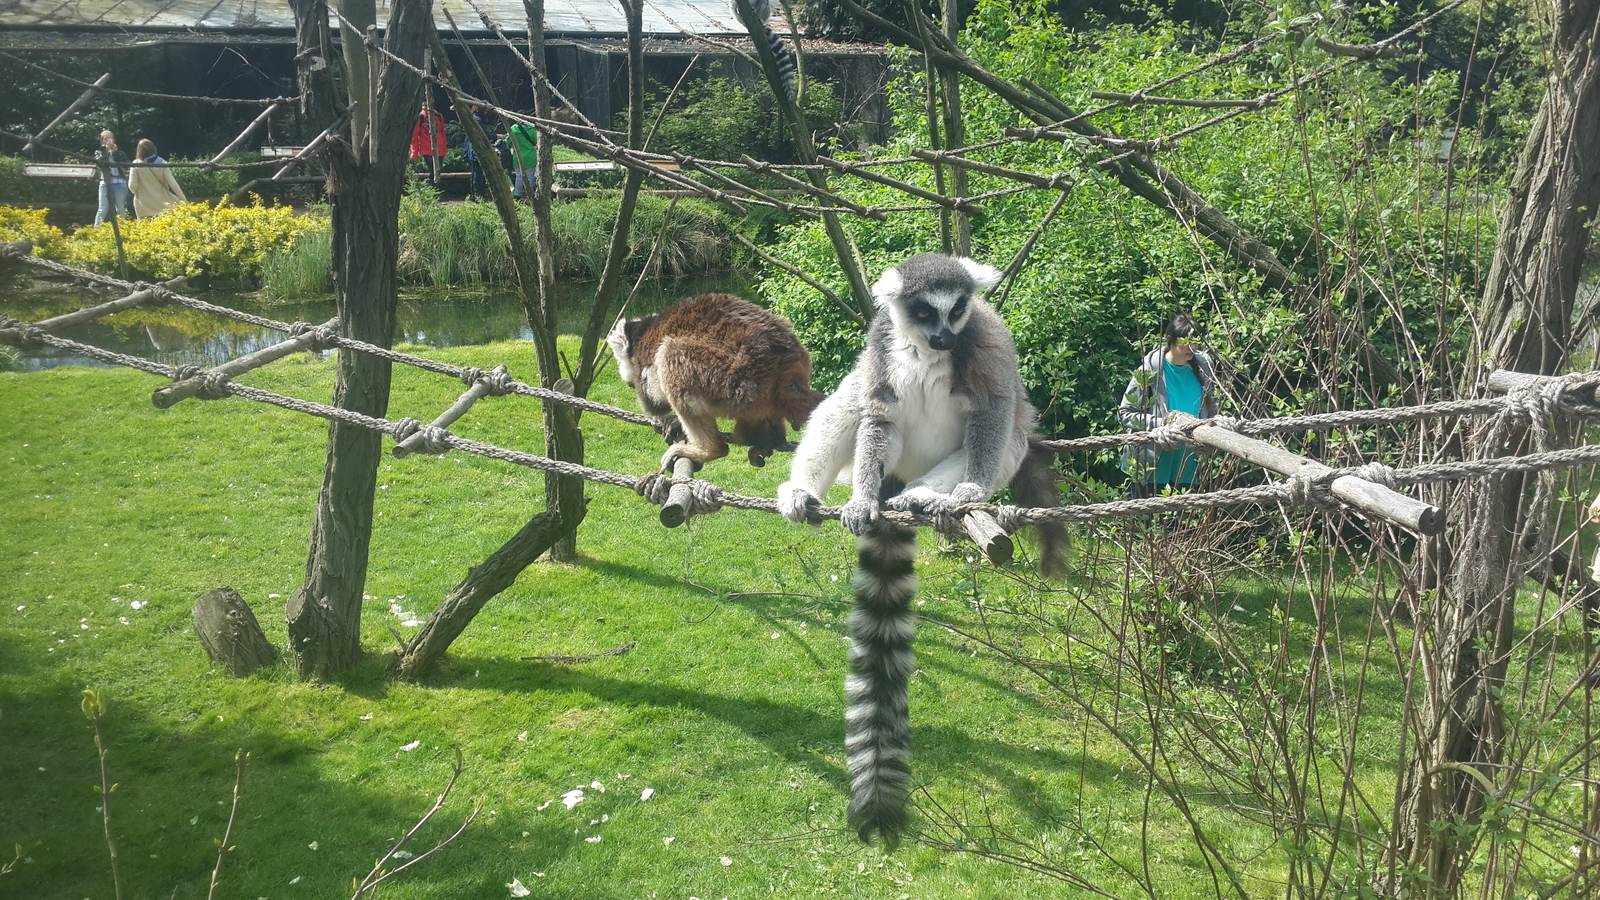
(230, 633)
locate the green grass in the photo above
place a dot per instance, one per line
(729, 706)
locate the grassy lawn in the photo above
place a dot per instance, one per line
(728, 709)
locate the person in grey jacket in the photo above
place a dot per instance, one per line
(1176, 378)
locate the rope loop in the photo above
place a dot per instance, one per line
(435, 440)
(1378, 473)
(470, 375)
(500, 383)
(654, 487)
(1009, 518)
(1300, 486)
(1169, 437)
(1228, 422)
(184, 373)
(705, 497)
(404, 428)
(214, 385)
(298, 328)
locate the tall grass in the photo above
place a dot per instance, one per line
(304, 270)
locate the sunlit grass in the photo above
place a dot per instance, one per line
(729, 705)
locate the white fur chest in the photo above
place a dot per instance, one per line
(932, 420)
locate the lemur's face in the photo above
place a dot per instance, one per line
(930, 297)
(935, 317)
(617, 340)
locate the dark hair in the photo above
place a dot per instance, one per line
(1183, 326)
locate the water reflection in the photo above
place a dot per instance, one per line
(180, 336)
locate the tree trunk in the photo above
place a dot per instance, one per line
(1525, 313)
(365, 182)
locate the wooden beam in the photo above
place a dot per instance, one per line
(415, 443)
(1372, 499)
(178, 391)
(68, 113)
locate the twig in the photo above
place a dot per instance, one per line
(564, 658)
(94, 707)
(240, 758)
(377, 876)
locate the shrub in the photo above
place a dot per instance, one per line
(29, 225)
(201, 184)
(19, 188)
(194, 239)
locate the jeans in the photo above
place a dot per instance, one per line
(477, 187)
(524, 182)
(113, 193)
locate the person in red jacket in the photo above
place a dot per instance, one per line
(427, 140)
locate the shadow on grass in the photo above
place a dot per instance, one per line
(174, 776)
(794, 733)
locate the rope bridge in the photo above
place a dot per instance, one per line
(1372, 488)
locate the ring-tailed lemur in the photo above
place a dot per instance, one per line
(933, 415)
(717, 356)
(780, 50)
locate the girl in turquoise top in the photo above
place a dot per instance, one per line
(1175, 378)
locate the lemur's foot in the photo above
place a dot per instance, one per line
(676, 452)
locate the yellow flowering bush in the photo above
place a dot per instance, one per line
(194, 239)
(29, 225)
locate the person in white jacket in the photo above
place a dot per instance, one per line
(1176, 378)
(154, 189)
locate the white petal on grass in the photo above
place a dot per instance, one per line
(592, 840)
(668, 841)
(411, 746)
(367, 717)
(598, 786)
(403, 854)
(646, 794)
(573, 797)
(545, 804)
(410, 623)
(312, 845)
(523, 736)
(295, 880)
(726, 861)
(516, 888)
(193, 821)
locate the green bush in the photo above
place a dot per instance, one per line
(19, 189)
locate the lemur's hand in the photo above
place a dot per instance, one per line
(968, 492)
(859, 515)
(798, 505)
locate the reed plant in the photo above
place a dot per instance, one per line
(303, 270)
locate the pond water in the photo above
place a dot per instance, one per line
(179, 336)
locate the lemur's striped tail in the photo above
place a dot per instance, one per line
(877, 714)
(784, 58)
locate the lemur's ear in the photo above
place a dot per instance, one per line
(887, 288)
(986, 276)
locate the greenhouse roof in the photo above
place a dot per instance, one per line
(572, 17)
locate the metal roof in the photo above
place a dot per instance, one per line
(575, 17)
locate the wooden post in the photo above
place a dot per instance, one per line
(427, 108)
(676, 510)
(245, 134)
(78, 317)
(414, 443)
(229, 632)
(67, 113)
(178, 391)
(1372, 499)
(991, 539)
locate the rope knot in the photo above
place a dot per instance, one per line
(214, 385)
(1169, 437)
(404, 428)
(1227, 422)
(654, 487)
(435, 440)
(184, 373)
(1378, 473)
(470, 375)
(1300, 487)
(500, 382)
(1010, 518)
(705, 497)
